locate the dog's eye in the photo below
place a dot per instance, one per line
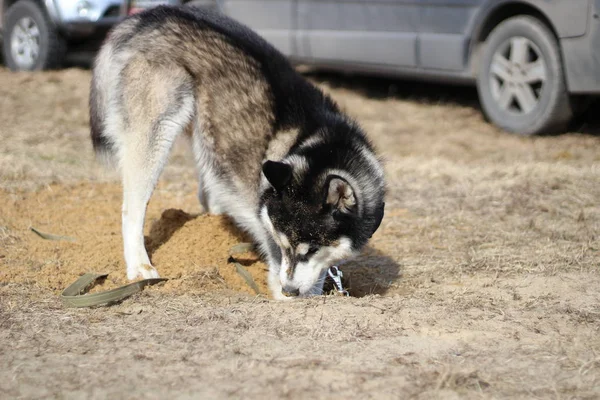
(311, 250)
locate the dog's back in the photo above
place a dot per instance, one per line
(244, 84)
(173, 70)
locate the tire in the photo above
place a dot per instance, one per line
(521, 58)
(25, 16)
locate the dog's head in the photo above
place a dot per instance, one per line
(316, 220)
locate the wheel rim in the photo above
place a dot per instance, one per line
(25, 43)
(518, 75)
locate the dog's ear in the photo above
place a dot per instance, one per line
(378, 218)
(340, 195)
(277, 173)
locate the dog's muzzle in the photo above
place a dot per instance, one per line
(289, 292)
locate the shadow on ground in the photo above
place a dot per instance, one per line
(171, 220)
(378, 87)
(373, 272)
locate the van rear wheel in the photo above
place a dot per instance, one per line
(521, 83)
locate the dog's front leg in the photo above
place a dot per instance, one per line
(275, 283)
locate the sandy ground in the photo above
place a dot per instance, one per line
(482, 282)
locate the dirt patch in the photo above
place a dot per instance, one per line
(189, 248)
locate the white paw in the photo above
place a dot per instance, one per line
(144, 271)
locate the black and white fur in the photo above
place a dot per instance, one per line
(273, 152)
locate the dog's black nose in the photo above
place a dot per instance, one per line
(289, 292)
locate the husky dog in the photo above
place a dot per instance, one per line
(272, 151)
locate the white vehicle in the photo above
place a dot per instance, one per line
(38, 33)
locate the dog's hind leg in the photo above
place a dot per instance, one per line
(206, 165)
(159, 105)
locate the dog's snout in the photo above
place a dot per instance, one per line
(289, 292)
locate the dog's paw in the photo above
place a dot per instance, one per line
(144, 271)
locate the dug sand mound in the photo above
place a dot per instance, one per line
(191, 250)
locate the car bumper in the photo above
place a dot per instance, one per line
(85, 17)
(88, 28)
(581, 57)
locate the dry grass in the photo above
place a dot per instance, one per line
(484, 279)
